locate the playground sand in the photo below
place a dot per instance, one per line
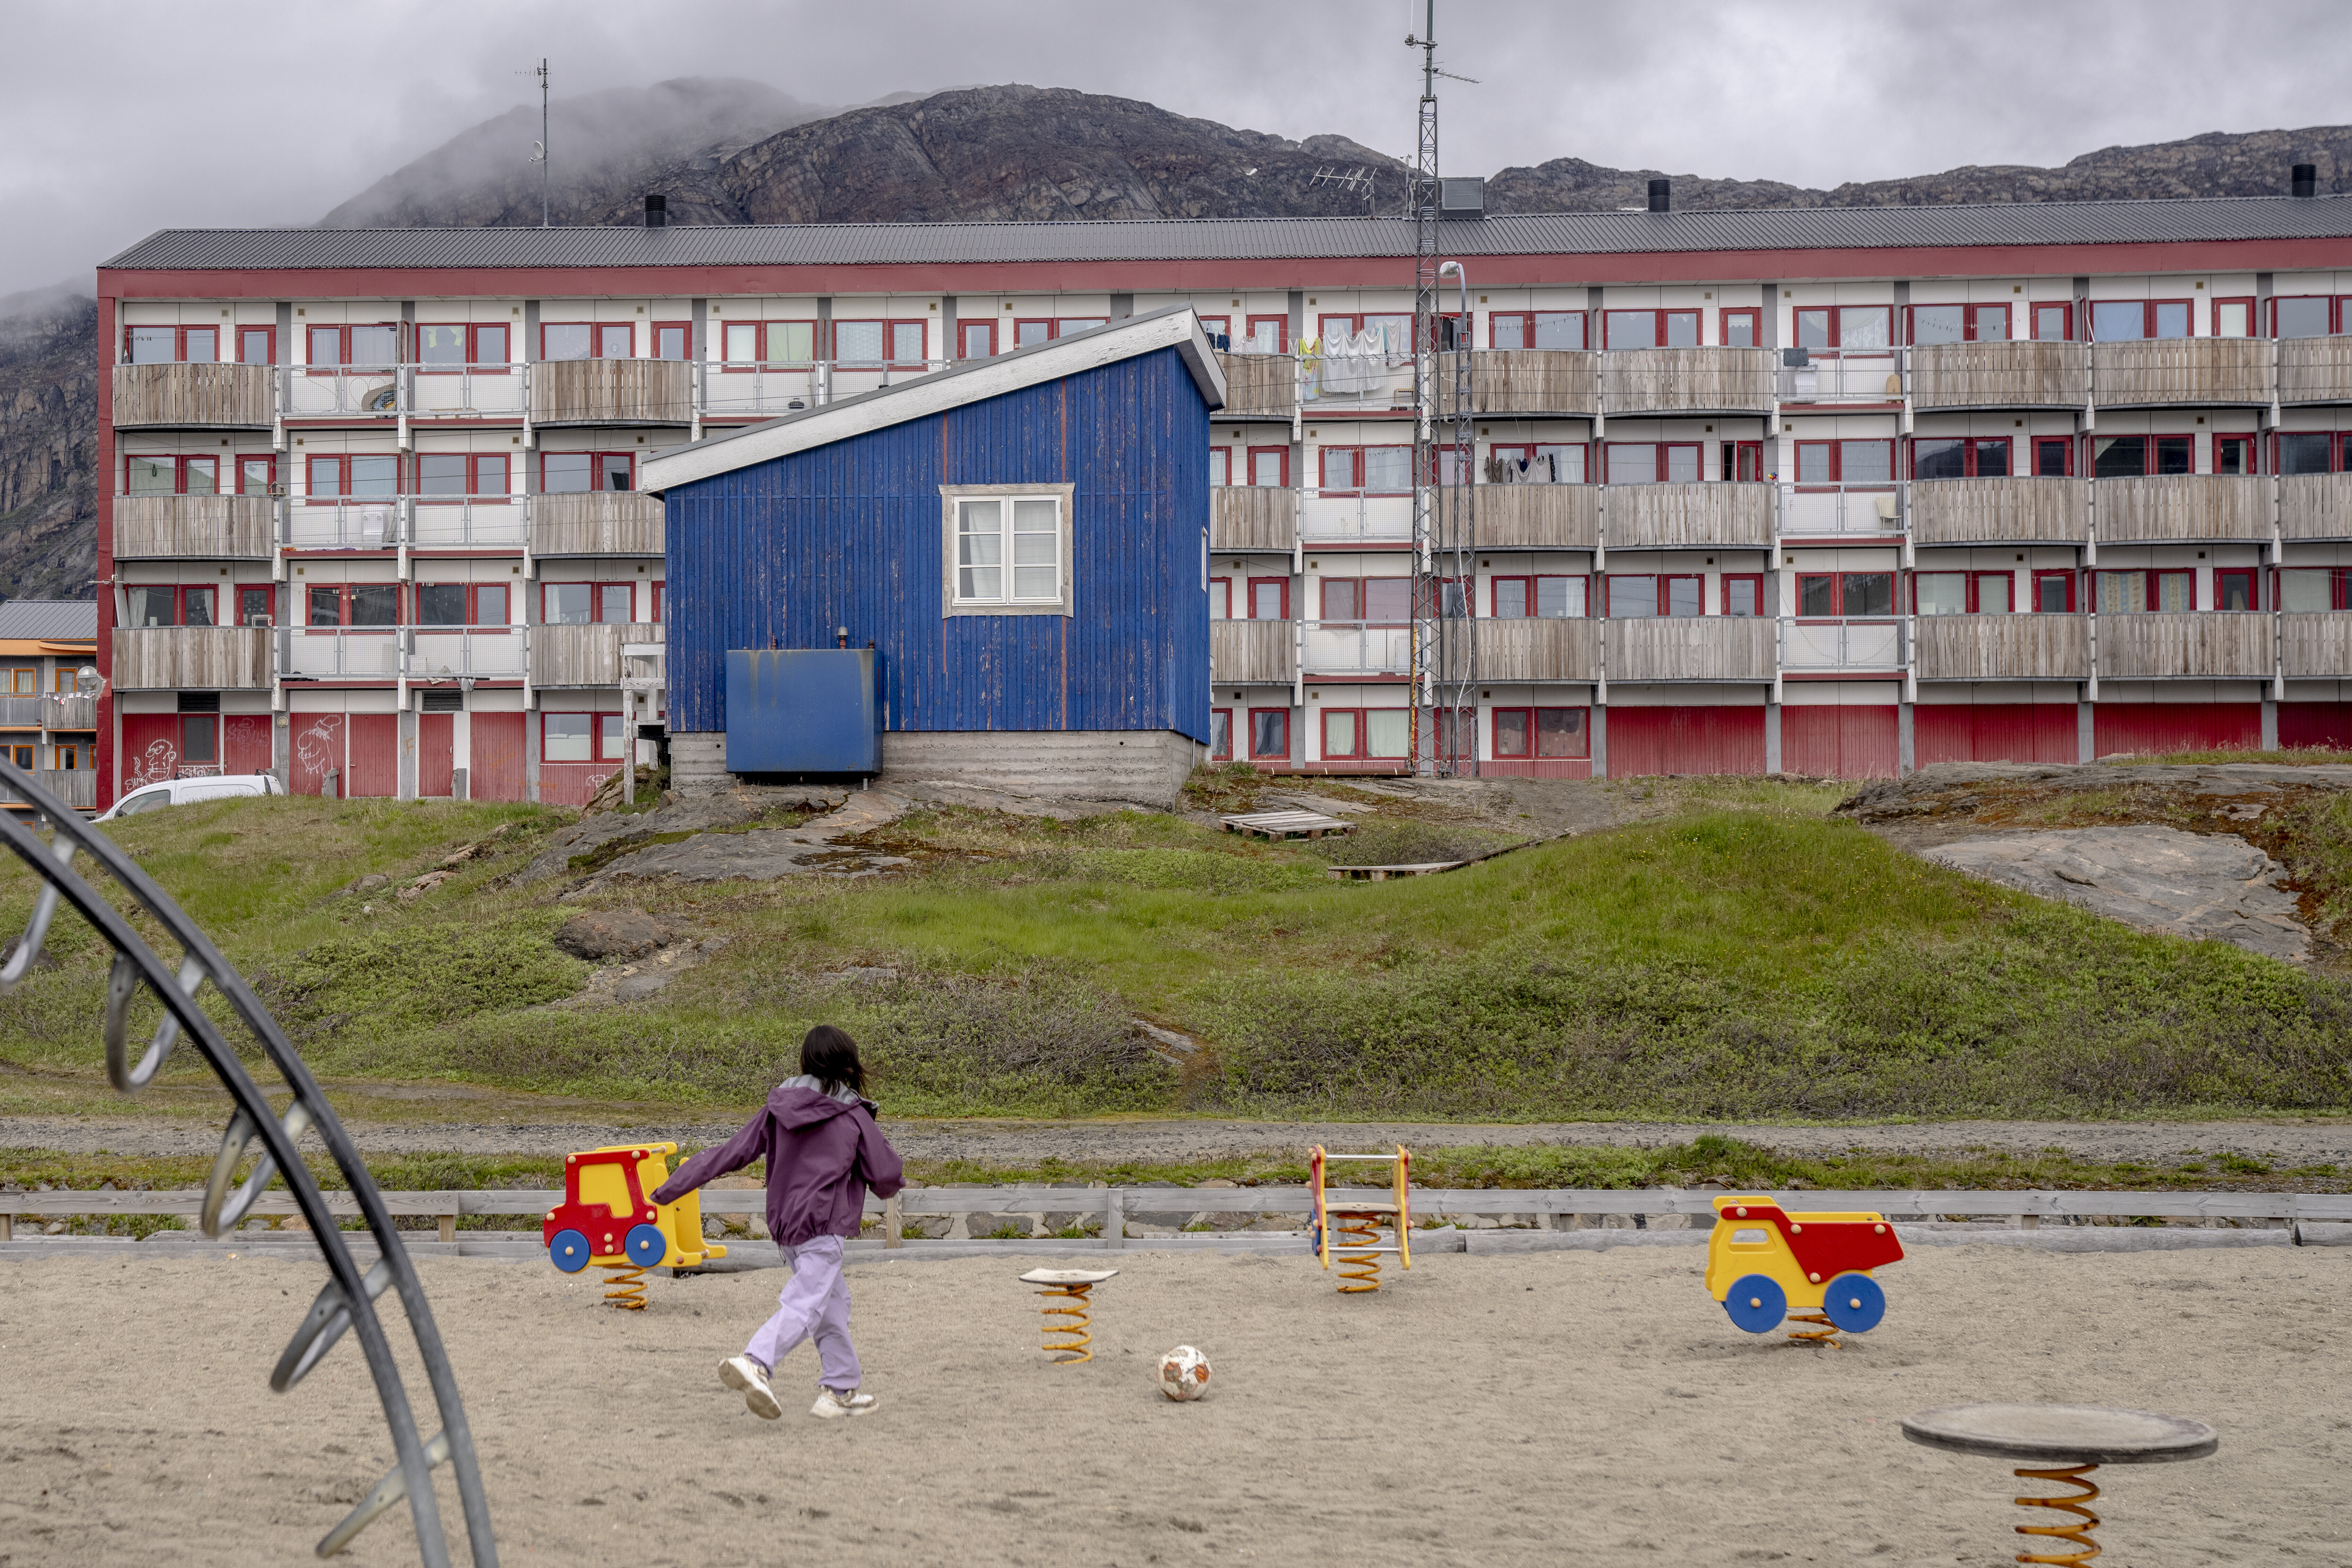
(1594, 1407)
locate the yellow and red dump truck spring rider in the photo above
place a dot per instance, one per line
(1765, 1264)
(608, 1216)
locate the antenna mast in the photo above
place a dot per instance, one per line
(1444, 636)
(539, 154)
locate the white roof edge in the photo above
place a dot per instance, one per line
(1174, 326)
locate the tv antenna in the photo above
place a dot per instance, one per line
(1357, 179)
(538, 148)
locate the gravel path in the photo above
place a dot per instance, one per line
(2287, 1140)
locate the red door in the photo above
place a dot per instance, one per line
(1685, 740)
(316, 751)
(245, 744)
(376, 756)
(150, 749)
(437, 754)
(1842, 743)
(495, 772)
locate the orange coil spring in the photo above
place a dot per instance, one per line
(1364, 1267)
(1076, 1344)
(2080, 1534)
(1824, 1335)
(628, 1282)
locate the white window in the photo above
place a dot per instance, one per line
(1007, 550)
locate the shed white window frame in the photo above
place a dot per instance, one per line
(963, 582)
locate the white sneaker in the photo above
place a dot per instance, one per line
(742, 1371)
(833, 1402)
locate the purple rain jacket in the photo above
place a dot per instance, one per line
(821, 1154)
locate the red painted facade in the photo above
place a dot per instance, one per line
(2146, 728)
(495, 772)
(2328, 724)
(1995, 732)
(437, 755)
(1842, 743)
(374, 756)
(1685, 740)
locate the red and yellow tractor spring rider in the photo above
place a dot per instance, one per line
(608, 1218)
(1768, 1266)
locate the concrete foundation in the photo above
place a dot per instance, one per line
(1146, 766)
(698, 764)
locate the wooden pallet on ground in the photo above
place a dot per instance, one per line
(1382, 873)
(1281, 824)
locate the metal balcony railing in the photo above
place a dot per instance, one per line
(1841, 375)
(392, 653)
(1868, 644)
(352, 524)
(1823, 511)
(465, 391)
(342, 392)
(1355, 648)
(1355, 517)
(459, 522)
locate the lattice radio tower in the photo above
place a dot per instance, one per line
(1444, 645)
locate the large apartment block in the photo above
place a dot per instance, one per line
(1841, 491)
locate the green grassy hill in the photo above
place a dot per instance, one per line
(1742, 956)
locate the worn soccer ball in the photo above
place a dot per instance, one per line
(1183, 1373)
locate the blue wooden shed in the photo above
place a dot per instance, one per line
(1021, 541)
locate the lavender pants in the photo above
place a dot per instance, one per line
(814, 1304)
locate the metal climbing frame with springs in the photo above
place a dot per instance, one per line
(347, 1303)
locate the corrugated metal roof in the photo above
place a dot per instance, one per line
(1237, 239)
(53, 620)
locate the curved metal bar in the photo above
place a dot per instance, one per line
(51, 862)
(121, 985)
(325, 1323)
(222, 1210)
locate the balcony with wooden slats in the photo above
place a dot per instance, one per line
(69, 711)
(1564, 382)
(1546, 648)
(2315, 645)
(611, 391)
(1692, 647)
(1259, 386)
(2002, 648)
(193, 658)
(2195, 646)
(2314, 506)
(1251, 652)
(2181, 509)
(1539, 517)
(1712, 515)
(1252, 517)
(584, 655)
(235, 528)
(2017, 511)
(2012, 375)
(1688, 381)
(598, 522)
(2314, 370)
(205, 396)
(2181, 373)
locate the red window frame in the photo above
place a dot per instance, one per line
(964, 330)
(2149, 440)
(343, 591)
(685, 331)
(2334, 310)
(1282, 453)
(1355, 321)
(344, 498)
(2253, 315)
(1664, 594)
(343, 345)
(1363, 615)
(1254, 584)
(1969, 320)
(1526, 326)
(2250, 463)
(1658, 331)
(1752, 315)
(1216, 327)
(657, 600)
(890, 326)
(1220, 752)
(1968, 445)
(473, 331)
(1526, 451)
(764, 347)
(1221, 458)
(1837, 446)
(268, 335)
(179, 340)
(1282, 714)
(2063, 445)
(2152, 592)
(1971, 587)
(1742, 463)
(596, 730)
(597, 589)
(179, 461)
(1362, 750)
(180, 592)
(596, 330)
(1531, 594)
(474, 462)
(2340, 584)
(1837, 581)
(267, 592)
(595, 469)
(1659, 449)
(1835, 327)
(1755, 580)
(1322, 467)
(2252, 577)
(2065, 309)
(1281, 331)
(1532, 732)
(2147, 319)
(1221, 587)
(240, 461)
(473, 604)
(2048, 574)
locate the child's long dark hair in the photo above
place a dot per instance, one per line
(829, 1056)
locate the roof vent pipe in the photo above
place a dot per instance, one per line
(2305, 181)
(657, 212)
(1661, 195)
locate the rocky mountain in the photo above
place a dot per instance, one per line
(729, 150)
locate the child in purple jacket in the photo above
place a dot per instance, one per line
(824, 1152)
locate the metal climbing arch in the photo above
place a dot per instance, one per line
(348, 1301)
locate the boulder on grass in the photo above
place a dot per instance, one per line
(601, 935)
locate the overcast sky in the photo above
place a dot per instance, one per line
(118, 119)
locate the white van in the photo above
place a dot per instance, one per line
(185, 792)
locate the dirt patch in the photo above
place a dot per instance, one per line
(1596, 1398)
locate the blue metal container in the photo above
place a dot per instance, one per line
(803, 711)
